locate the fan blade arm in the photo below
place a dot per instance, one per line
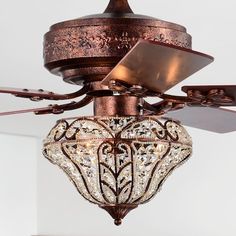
(169, 102)
(162, 107)
(40, 94)
(52, 109)
(211, 95)
(58, 109)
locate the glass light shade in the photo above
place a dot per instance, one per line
(118, 162)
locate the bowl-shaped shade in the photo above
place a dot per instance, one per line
(118, 160)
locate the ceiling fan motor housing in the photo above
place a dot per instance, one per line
(87, 48)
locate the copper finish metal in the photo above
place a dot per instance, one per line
(99, 90)
(121, 6)
(52, 109)
(212, 95)
(118, 212)
(163, 107)
(88, 48)
(121, 105)
(40, 94)
(85, 50)
(152, 56)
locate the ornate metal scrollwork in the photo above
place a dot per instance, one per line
(118, 162)
(213, 97)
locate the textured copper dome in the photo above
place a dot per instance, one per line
(88, 48)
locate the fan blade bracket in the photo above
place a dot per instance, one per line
(33, 94)
(211, 95)
(122, 87)
(162, 107)
(52, 108)
(40, 94)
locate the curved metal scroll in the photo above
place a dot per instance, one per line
(40, 94)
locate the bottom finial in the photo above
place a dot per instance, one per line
(119, 211)
(117, 222)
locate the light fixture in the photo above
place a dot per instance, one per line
(120, 157)
(118, 162)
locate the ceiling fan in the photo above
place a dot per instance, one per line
(120, 157)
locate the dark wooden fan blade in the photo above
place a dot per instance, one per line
(157, 66)
(216, 120)
(40, 94)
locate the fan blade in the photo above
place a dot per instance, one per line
(33, 110)
(52, 109)
(216, 120)
(40, 94)
(157, 66)
(220, 95)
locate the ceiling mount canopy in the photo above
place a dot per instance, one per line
(118, 7)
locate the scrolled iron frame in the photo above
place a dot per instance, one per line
(61, 138)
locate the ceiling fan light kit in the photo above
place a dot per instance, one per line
(120, 157)
(118, 162)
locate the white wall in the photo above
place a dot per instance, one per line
(198, 199)
(18, 191)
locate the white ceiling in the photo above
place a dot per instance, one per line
(23, 24)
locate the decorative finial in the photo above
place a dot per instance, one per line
(118, 211)
(118, 6)
(117, 222)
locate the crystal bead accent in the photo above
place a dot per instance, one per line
(118, 160)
